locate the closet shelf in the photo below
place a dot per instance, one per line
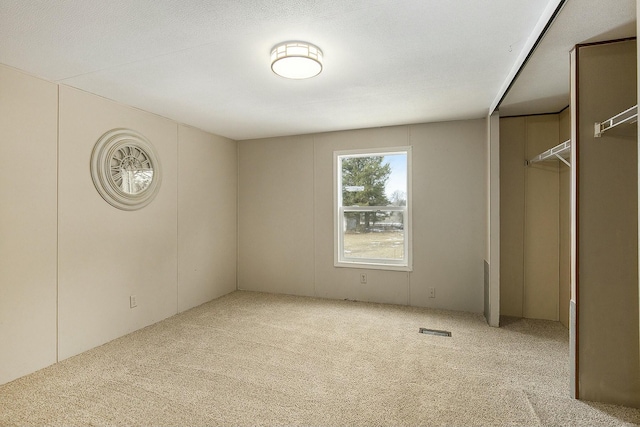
(560, 152)
(627, 116)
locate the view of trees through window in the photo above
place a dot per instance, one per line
(373, 206)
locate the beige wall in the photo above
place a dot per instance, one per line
(448, 226)
(106, 254)
(492, 222)
(276, 215)
(607, 236)
(28, 181)
(286, 216)
(70, 261)
(340, 283)
(207, 215)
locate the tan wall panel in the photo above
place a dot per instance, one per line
(564, 285)
(541, 226)
(276, 217)
(512, 195)
(609, 365)
(529, 221)
(28, 197)
(207, 205)
(107, 254)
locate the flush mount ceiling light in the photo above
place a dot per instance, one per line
(296, 60)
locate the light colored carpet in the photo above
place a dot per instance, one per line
(259, 359)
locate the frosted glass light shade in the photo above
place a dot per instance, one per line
(296, 60)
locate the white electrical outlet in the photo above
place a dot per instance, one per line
(363, 278)
(432, 292)
(132, 301)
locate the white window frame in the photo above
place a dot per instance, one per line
(340, 260)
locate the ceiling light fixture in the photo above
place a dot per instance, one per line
(296, 60)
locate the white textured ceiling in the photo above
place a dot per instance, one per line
(205, 63)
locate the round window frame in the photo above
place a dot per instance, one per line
(106, 146)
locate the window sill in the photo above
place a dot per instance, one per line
(372, 266)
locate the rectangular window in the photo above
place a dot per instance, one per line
(373, 208)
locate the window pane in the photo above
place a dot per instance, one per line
(377, 180)
(396, 187)
(374, 235)
(373, 208)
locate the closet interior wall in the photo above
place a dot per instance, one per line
(535, 219)
(605, 173)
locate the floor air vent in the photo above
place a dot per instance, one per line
(435, 332)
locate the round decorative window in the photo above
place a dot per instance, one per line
(125, 169)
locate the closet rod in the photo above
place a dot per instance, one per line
(627, 116)
(553, 154)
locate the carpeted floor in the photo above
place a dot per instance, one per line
(259, 359)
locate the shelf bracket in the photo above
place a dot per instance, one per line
(563, 160)
(552, 154)
(629, 115)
